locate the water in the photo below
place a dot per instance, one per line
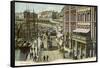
(21, 54)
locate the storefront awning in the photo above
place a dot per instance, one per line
(81, 30)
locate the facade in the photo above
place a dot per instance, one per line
(80, 31)
(47, 15)
(69, 24)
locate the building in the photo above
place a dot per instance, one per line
(19, 15)
(47, 15)
(69, 24)
(83, 36)
(80, 31)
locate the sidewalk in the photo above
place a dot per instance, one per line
(18, 63)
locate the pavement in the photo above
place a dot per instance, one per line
(53, 55)
(18, 63)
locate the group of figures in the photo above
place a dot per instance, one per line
(37, 58)
(46, 58)
(47, 37)
(33, 57)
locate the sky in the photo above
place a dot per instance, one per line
(20, 7)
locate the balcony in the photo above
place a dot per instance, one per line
(79, 38)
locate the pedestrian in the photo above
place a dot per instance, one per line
(35, 57)
(31, 53)
(42, 45)
(43, 58)
(47, 57)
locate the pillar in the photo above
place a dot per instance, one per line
(69, 27)
(85, 55)
(76, 49)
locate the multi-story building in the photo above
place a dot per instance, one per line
(83, 36)
(69, 24)
(47, 15)
(80, 30)
(93, 31)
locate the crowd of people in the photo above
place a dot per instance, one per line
(36, 58)
(43, 36)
